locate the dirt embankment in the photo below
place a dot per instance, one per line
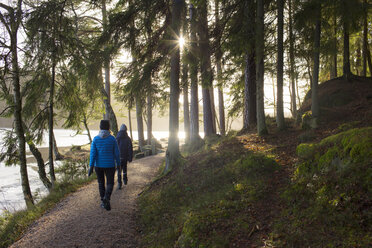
(78, 220)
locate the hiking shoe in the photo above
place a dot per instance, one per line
(102, 204)
(106, 204)
(125, 179)
(119, 186)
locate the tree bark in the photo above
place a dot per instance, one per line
(15, 19)
(106, 63)
(194, 99)
(346, 58)
(280, 109)
(149, 118)
(40, 162)
(369, 61)
(334, 52)
(130, 124)
(57, 154)
(205, 68)
(186, 111)
(314, 88)
(141, 136)
(87, 128)
(365, 39)
(173, 151)
(358, 62)
(250, 100)
(51, 100)
(292, 63)
(260, 41)
(112, 116)
(221, 105)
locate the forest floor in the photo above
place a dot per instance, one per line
(79, 221)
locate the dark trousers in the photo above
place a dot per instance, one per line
(105, 192)
(122, 169)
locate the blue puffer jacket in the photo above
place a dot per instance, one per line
(104, 151)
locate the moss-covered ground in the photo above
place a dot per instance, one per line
(250, 191)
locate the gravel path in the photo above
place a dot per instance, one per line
(78, 220)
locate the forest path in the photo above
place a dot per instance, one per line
(79, 221)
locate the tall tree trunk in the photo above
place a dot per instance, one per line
(185, 78)
(205, 68)
(130, 123)
(365, 39)
(274, 93)
(51, 100)
(106, 62)
(334, 51)
(314, 88)
(213, 109)
(280, 64)
(358, 62)
(292, 63)
(149, 118)
(15, 19)
(186, 111)
(346, 59)
(260, 41)
(250, 100)
(141, 136)
(194, 99)
(108, 107)
(369, 61)
(40, 162)
(221, 104)
(173, 151)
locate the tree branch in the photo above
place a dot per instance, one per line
(5, 23)
(7, 7)
(2, 112)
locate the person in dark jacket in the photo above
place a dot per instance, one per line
(105, 156)
(126, 154)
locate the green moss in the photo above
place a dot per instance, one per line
(329, 193)
(305, 151)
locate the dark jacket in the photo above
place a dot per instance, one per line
(125, 146)
(104, 151)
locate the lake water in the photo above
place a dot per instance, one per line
(11, 196)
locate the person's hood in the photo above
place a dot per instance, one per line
(123, 127)
(122, 133)
(104, 133)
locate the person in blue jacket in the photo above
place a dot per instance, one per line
(105, 156)
(126, 154)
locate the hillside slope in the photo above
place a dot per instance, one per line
(250, 191)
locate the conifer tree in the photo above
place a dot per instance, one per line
(205, 68)
(173, 141)
(11, 18)
(280, 109)
(193, 67)
(261, 122)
